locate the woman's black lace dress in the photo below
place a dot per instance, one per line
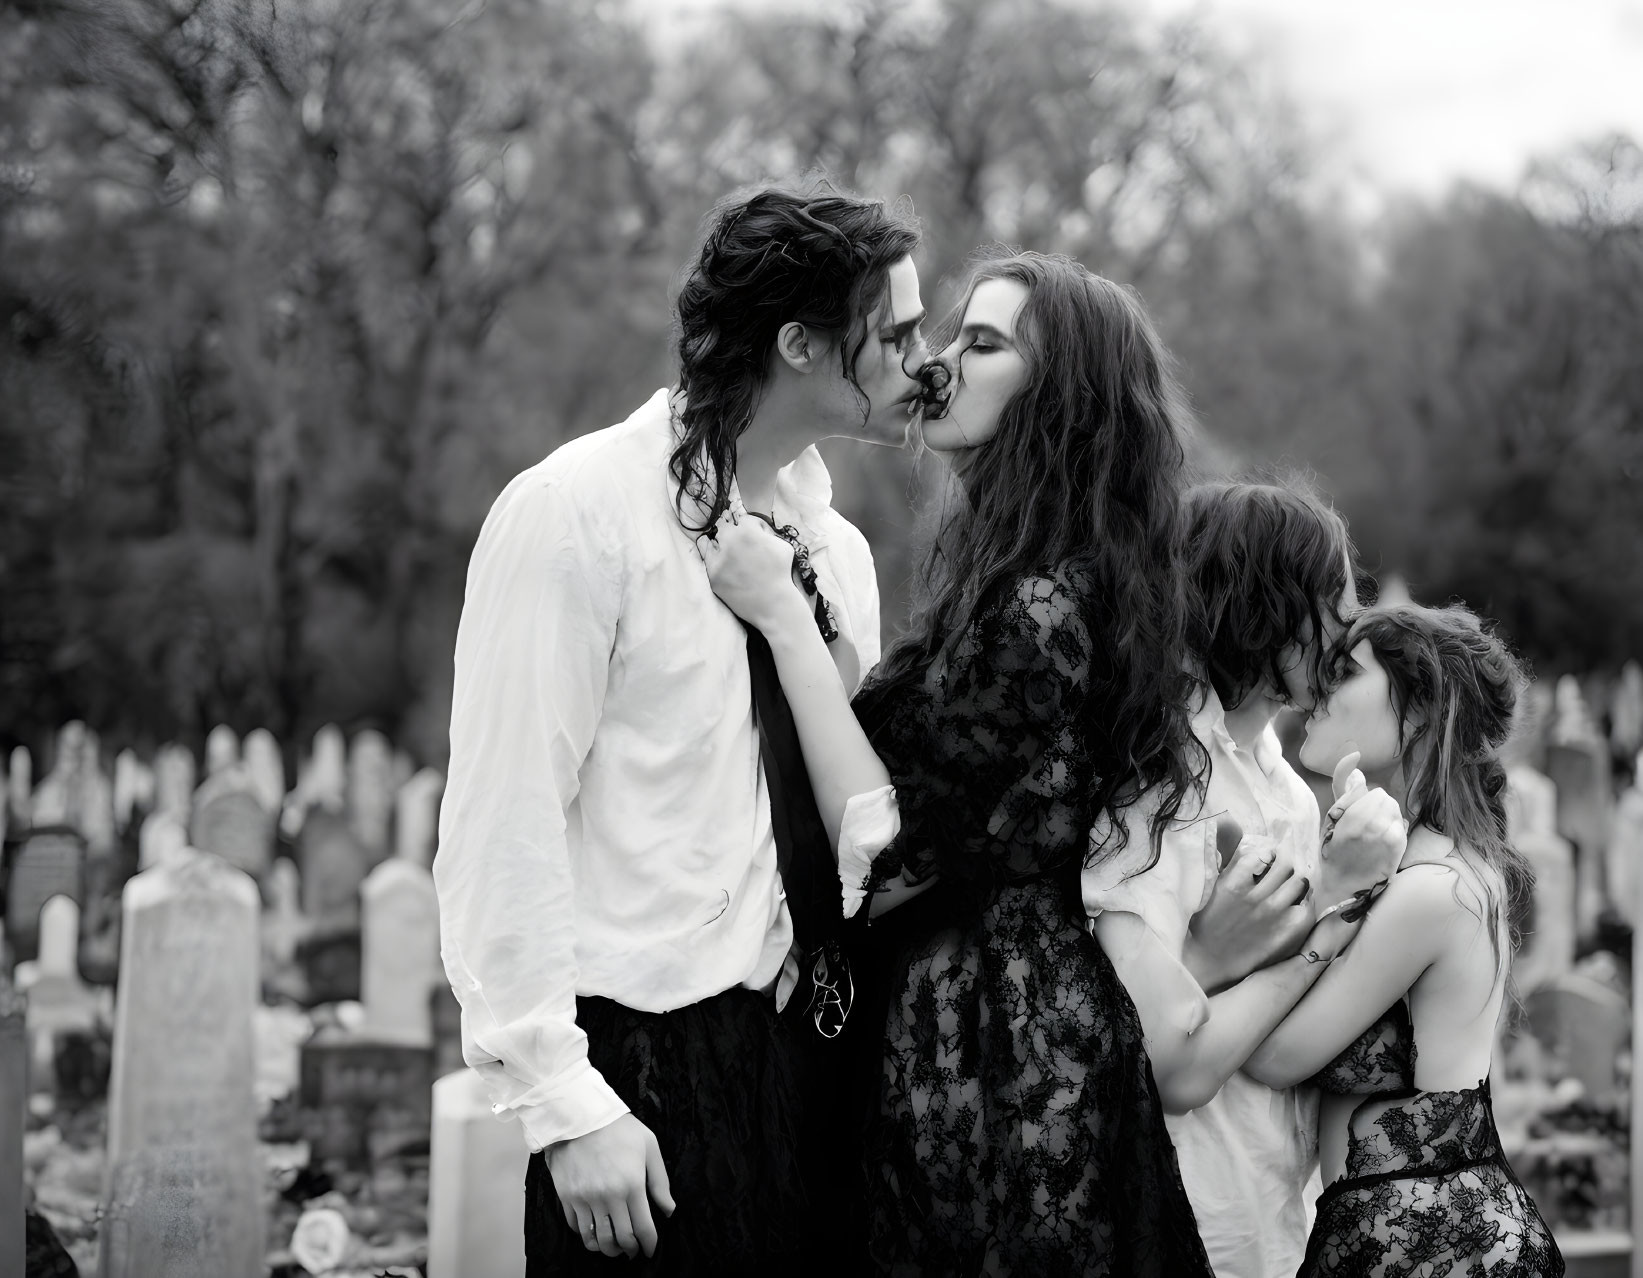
(1020, 1129)
(1427, 1189)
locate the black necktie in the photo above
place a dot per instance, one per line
(804, 855)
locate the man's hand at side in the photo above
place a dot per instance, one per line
(605, 1181)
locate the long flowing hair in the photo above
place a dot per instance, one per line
(814, 256)
(1267, 562)
(1455, 688)
(1084, 470)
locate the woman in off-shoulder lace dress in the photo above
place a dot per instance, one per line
(1398, 1032)
(1019, 1128)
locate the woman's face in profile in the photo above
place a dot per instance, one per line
(988, 364)
(1358, 714)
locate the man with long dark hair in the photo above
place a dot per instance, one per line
(614, 905)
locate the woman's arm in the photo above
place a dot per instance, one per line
(1397, 942)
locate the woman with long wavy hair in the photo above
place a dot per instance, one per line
(1399, 1031)
(1042, 687)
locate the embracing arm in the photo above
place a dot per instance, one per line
(1396, 943)
(532, 659)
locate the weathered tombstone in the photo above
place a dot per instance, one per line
(183, 1190)
(54, 798)
(1549, 944)
(370, 791)
(476, 1185)
(76, 793)
(399, 952)
(133, 787)
(1623, 864)
(1580, 770)
(230, 820)
(222, 749)
(402, 770)
(50, 862)
(1586, 1025)
(416, 817)
(20, 787)
(59, 1001)
(333, 865)
(363, 1100)
(283, 929)
(266, 766)
(14, 1099)
(162, 834)
(1626, 713)
(174, 774)
(325, 781)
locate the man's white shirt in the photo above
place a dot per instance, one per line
(605, 828)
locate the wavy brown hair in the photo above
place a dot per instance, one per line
(1084, 470)
(1455, 688)
(815, 256)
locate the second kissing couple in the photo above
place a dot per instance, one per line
(1018, 948)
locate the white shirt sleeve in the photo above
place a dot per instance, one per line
(533, 655)
(1164, 895)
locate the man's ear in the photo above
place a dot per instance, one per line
(798, 347)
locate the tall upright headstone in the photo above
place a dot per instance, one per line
(370, 791)
(325, 781)
(399, 952)
(265, 763)
(59, 1001)
(1623, 863)
(133, 788)
(183, 1193)
(476, 1185)
(14, 1099)
(416, 817)
(20, 787)
(75, 792)
(1549, 944)
(1531, 801)
(1626, 713)
(174, 774)
(222, 749)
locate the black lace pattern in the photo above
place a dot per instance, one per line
(1021, 1131)
(1427, 1189)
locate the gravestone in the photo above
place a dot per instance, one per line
(1580, 770)
(59, 1001)
(404, 768)
(1623, 863)
(222, 750)
(183, 1190)
(49, 862)
(1626, 713)
(76, 793)
(370, 791)
(162, 834)
(14, 1099)
(325, 782)
(266, 766)
(363, 1100)
(416, 817)
(230, 820)
(174, 774)
(20, 788)
(333, 865)
(133, 788)
(399, 952)
(1585, 1025)
(54, 799)
(476, 1185)
(283, 929)
(1531, 801)
(1549, 942)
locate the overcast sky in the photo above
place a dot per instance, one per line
(1413, 94)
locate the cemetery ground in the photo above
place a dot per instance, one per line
(227, 1046)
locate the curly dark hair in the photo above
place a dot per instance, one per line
(1266, 563)
(816, 256)
(1084, 470)
(1455, 688)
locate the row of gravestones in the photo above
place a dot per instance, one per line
(183, 1187)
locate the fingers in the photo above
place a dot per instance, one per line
(656, 1178)
(1291, 892)
(1341, 781)
(616, 1236)
(1281, 873)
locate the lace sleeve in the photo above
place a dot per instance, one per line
(990, 775)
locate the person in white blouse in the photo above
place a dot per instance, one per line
(613, 920)
(1215, 956)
